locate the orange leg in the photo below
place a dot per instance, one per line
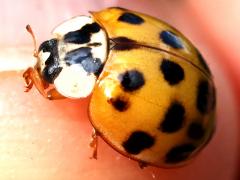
(94, 144)
(142, 165)
(32, 77)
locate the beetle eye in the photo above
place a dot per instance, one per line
(48, 45)
(48, 51)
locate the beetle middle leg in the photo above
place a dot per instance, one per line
(94, 143)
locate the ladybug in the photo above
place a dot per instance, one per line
(152, 94)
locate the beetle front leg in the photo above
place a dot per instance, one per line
(32, 77)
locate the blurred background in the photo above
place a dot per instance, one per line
(40, 139)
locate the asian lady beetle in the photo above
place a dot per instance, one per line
(152, 94)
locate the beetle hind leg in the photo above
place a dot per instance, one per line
(142, 165)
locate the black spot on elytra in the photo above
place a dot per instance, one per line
(123, 43)
(137, 142)
(203, 62)
(119, 103)
(196, 131)
(82, 35)
(173, 73)
(131, 18)
(203, 97)
(171, 39)
(52, 67)
(131, 80)
(173, 119)
(179, 153)
(83, 56)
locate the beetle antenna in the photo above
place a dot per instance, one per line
(29, 29)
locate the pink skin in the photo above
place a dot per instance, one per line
(41, 139)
